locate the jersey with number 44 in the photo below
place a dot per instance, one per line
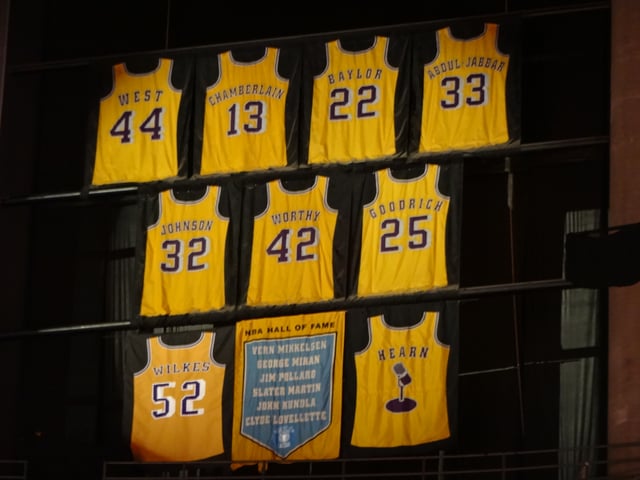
(137, 127)
(464, 101)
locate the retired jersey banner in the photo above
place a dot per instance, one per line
(176, 396)
(466, 87)
(400, 388)
(288, 388)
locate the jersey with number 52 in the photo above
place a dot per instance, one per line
(177, 402)
(137, 127)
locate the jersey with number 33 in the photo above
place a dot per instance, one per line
(464, 101)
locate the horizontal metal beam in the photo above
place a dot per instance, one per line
(286, 172)
(232, 315)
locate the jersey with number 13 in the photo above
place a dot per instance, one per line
(137, 127)
(245, 115)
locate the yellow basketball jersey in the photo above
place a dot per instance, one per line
(352, 111)
(137, 127)
(177, 402)
(401, 393)
(292, 249)
(404, 234)
(464, 95)
(184, 257)
(244, 116)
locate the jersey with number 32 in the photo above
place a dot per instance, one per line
(184, 258)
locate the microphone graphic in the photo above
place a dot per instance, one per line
(401, 404)
(404, 378)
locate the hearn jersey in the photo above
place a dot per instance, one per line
(401, 385)
(292, 249)
(353, 105)
(177, 402)
(184, 256)
(464, 93)
(244, 117)
(137, 139)
(403, 240)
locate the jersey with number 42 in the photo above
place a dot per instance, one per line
(292, 252)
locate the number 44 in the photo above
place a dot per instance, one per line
(152, 125)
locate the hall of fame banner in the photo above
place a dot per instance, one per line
(288, 388)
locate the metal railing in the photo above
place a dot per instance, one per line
(612, 462)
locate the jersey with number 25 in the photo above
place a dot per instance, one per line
(404, 234)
